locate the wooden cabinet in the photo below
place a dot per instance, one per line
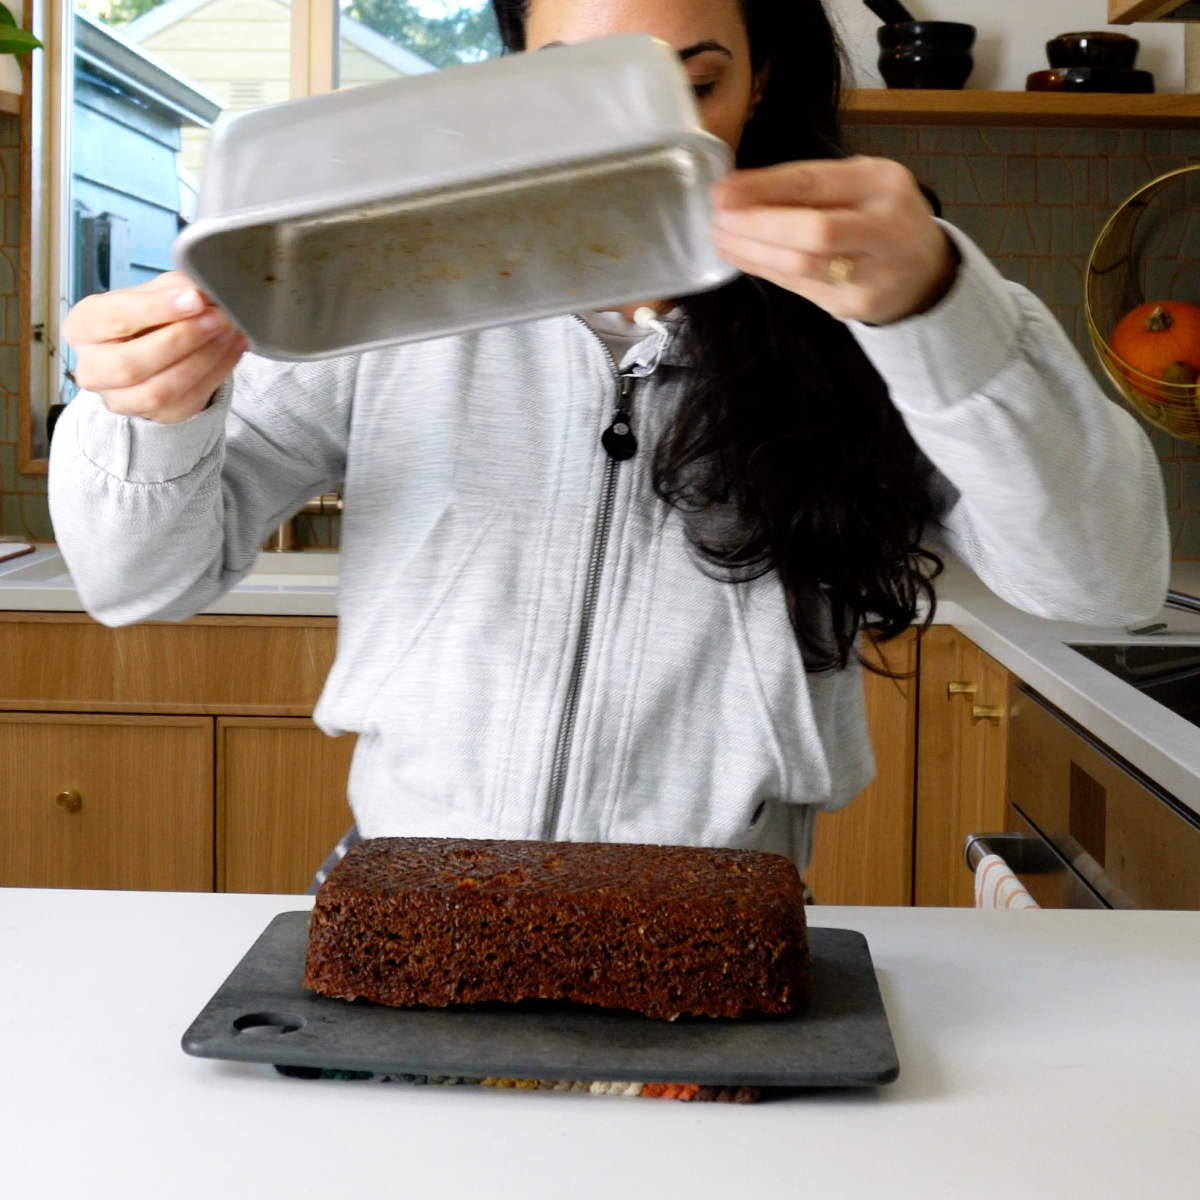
(281, 802)
(864, 854)
(184, 754)
(108, 801)
(196, 763)
(259, 665)
(962, 741)
(940, 738)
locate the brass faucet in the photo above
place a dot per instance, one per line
(283, 537)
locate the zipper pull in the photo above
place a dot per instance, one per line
(618, 439)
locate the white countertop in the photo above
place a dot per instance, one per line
(1160, 744)
(1151, 737)
(292, 583)
(1042, 1054)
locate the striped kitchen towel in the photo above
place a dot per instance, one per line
(720, 1094)
(997, 887)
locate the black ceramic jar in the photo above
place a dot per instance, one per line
(926, 54)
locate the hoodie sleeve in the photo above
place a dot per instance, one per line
(155, 521)
(1054, 493)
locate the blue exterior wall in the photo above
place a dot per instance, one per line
(123, 158)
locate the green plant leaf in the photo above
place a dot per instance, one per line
(6, 17)
(17, 41)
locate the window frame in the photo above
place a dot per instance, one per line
(48, 86)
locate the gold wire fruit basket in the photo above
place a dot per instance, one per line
(1148, 252)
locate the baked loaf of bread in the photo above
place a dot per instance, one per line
(660, 930)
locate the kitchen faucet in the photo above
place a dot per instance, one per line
(283, 537)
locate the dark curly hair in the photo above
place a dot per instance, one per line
(786, 453)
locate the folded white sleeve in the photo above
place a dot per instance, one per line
(1054, 492)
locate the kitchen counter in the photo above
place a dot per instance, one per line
(293, 584)
(1165, 747)
(1043, 1054)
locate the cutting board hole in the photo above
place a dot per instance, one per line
(261, 1024)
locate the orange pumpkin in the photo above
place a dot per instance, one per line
(1160, 339)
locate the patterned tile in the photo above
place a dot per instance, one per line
(1172, 472)
(1017, 237)
(1156, 141)
(887, 139)
(1055, 182)
(1175, 522)
(1187, 540)
(949, 140)
(1189, 484)
(1185, 142)
(997, 141)
(987, 170)
(1022, 179)
(10, 368)
(35, 518)
(1063, 222)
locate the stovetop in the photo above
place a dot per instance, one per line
(1168, 674)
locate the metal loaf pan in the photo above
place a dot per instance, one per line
(484, 194)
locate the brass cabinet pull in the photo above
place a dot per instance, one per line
(958, 688)
(69, 801)
(986, 712)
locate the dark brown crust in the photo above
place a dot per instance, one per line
(661, 930)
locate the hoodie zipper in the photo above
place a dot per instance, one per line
(619, 444)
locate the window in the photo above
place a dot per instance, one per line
(379, 39)
(124, 99)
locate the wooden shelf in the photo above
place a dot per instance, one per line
(1126, 12)
(10, 102)
(902, 106)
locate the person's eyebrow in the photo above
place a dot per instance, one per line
(702, 47)
(685, 54)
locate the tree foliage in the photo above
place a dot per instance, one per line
(119, 12)
(465, 33)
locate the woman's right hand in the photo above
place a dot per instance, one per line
(158, 350)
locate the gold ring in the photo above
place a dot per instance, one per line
(841, 269)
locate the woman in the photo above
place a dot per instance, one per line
(541, 636)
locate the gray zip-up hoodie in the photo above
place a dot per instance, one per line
(526, 647)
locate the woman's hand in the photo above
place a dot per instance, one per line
(854, 235)
(158, 350)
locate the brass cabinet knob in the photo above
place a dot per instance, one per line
(958, 688)
(69, 801)
(986, 712)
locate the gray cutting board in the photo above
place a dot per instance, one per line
(263, 1013)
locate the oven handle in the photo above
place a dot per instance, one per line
(1023, 853)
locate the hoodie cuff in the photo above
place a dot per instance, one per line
(950, 352)
(138, 450)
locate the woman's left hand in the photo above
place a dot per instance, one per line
(855, 236)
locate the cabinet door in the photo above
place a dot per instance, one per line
(961, 761)
(106, 802)
(863, 854)
(281, 802)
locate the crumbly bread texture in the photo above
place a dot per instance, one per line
(660, 930)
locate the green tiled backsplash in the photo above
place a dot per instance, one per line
(1033, 199)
